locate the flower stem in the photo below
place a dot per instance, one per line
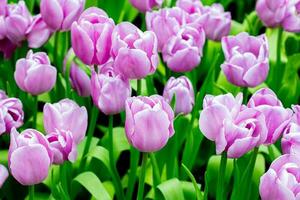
(221, 179)
(245, 95)
(63, 178)
(156, 174)
(142, 177)
(31, 192)
(139, 87)
(35, 102)
(115, 176)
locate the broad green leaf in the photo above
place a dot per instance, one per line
(170, 190)
(101, 154)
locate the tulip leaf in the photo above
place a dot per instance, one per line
(170, 190)
(101, 154)
(92, 184)
(196, 187)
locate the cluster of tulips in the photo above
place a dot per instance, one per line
(104, 59)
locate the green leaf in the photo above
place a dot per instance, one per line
(170, 190)
(101, 154)
(197, 188)
(92, 184)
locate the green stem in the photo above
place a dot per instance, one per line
(115, 176)
(67, 79)
(35, 102)
(139, 87)
(55, 51)
(134, 161)
(140, 195)
(278, 59)
(245, 95)
(31, 192)
(156, 174)
(221, 177)
(64, 178)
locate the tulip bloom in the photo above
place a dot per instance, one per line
(183, 90)
(91, 36)
(68, 116)
(149, 122)
(146, 5)
(110, 90)
(3, 4)
(63, 146)
(281, 181)
(271, 12)
(3, 175)
(291, 22)
(29, 156)
(60, 14)
(32, 71)
(190, 6)
(135, 52)
(246, 59)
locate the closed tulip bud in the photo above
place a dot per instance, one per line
(135, 52)
(246, 59)
(291, 22)
(63, 146)
(38, 32)
(190, 6)
(110, 90)
(32, 71)
(29, 156)
(183, 91)
(271, 12)
(183, 51)
(17, 21)
(80, 81)
(91, 36)
(60, 14)
(149, 122)
(68, 116)
(281, 181)
(3, 175)
(165, 23)
(146, 5)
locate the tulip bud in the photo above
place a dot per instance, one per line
(149, 122)
(60, 14)
(3, 175)
(291, 22)
(91, 36)
(63, 146)
(146, 5)
(182, 89)
(135, 52)
(68, 116)
(32, 71)
(29, 156)
(246, 59)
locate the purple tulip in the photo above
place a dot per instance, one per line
(165, 23)
(110, 90)
(135, 52)
(146, 5)
(3, 6)
(29, 156)
(183, 90)
(271, 12)
(91, 36)
(3, 175)
(149, 122)
(190, 6)
(291, 22)
(11, 114)
(290, 142)
(281, 181)
(32, 71)
(63, 146)
(2, 28)
(183, 51)
(246, 59)
(38, 32)
(3, 95)
(60, 14)
(80, 81)
(66, 115)
(17, 21)
(277, 117)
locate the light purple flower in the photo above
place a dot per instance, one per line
(135, 52)
(281, 181)
(66, 115)
(277, 117)
(2, 27)
(29, 156)
(63, 146)
(32, 71)
(60, 14)
(3, 95)
(146, 5)
(149, 122)
(291, 22)
(183, 51)
(38, 32)
(80, 81)
(91, 36)
(271, 12)
(110, 90)
(183, 90)
(165, 23)
(246, 59)
(290, 141)
(190, 6)
(3, 175)
(3, 6)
